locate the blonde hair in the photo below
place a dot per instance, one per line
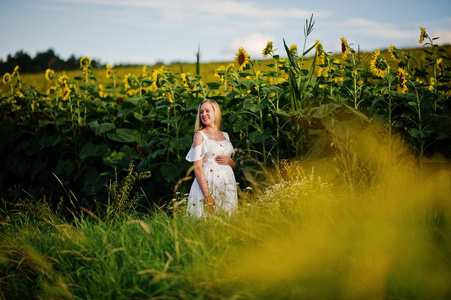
(199, 125)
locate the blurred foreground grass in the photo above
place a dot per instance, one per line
(365, 223)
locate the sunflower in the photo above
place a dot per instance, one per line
(51, 90)
(185, 80)
(66, 91)
(15, 70)
(394, 52)
(134, 82)
(220, 74)
(420, 81)
(126, 84)
(437, 66)
(230, 68)
(49, 74)
(344, 47)
(338, 79)
(85, 62)
(62, 80)
(131, 82)
(378, 64)
(282, 63)
(431, 83)
(293, 49)
(168, 95)
(20, 94)
(158, 77)
(102, 93)
(319, 50)
(269, 49)
(423, 35)
(188, 80)
(402, 81)
(109, 73)
(242, 58)
(7, 78)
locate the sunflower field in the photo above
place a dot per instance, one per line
(84, 133)
(328, 148)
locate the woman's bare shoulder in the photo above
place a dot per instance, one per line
(198, 139)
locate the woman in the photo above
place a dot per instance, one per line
(214, 189)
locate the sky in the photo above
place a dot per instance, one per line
(151, 31)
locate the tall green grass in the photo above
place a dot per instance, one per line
(360, 224)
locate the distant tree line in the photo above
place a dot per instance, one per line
(41, 62)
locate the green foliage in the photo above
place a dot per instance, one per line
(76, 158)
(120, 197)
(87, 127)
(304, 237)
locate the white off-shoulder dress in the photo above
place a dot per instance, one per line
(220, 178)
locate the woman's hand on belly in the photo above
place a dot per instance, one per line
(223, 159)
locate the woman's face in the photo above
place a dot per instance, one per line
(207, 114)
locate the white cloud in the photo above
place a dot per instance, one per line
(443, 22)
(439, 28)
(444, 36)
(215, 7)
(389, 33)
(378, 29)
(253, 44)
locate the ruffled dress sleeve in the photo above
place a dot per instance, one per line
(197, 152)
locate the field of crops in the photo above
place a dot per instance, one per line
(343, 171)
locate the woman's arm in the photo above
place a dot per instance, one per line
(226, 160)
(200, 174)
